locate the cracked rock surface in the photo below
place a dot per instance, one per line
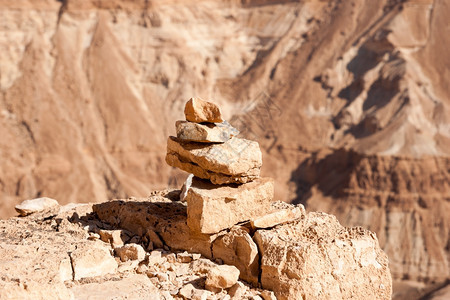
(60, 254)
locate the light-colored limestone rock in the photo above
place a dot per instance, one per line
(65, 270)
(187, 291)
(155, 258)
(92, 259)
(222, 277)
(117, 238)
(34, 290)
(133, 286)
(312, 255)
(28, 207)
(131, 252)
(186, 185)
(238, 249)
(205, 133)
(317, 258)
(211, 208)
(235, 161)
(279, 216)
(128, 266)
(199, 294)
(198, 111)
(170, 257)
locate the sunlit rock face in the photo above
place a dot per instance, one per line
(90, 89)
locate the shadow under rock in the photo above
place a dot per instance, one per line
(143, 213)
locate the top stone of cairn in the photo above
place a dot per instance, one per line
(199, 111)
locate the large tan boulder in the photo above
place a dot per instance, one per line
(317, 258)
(212, 208)
(198, 111)
(235, 161)
(205, 133)
(237, 248)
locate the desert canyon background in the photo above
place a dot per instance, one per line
(349, 100)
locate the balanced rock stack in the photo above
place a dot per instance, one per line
(226, 187)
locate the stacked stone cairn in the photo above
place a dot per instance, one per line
(225, 187)
(231, 217)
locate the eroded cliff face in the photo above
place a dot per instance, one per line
(89, 90)
(404, 200)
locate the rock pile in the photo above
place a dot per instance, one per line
(211, 150)
(231, 216)
(227, 188)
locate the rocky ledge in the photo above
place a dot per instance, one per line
(141, 248)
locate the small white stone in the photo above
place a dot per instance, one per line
(28, 207)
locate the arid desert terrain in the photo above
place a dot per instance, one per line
(348, 100)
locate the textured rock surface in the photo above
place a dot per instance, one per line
(205, 133)
(313, 256)
(35, 205)
(317, 258)
(369, 75)
(91, 261)
(130, 252)
(281, 214)
(237, 248)
(222, 277)
(398, 199)
(199, 111)
(167, 218)
(117, 238)
(235, 161)
(37, 254)
(212, 208)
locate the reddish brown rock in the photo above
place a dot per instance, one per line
(199, 111)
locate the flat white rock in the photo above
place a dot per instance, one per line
(28, 207)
